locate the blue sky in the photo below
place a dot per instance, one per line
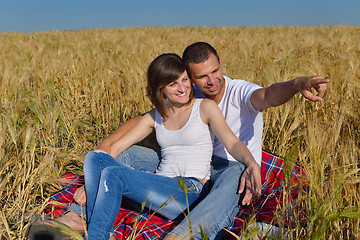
(46, 15)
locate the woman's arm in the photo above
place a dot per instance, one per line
(137, 133)
(251, 178)
(118, 133)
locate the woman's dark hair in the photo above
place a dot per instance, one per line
(163, 70)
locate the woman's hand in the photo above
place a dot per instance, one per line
(251, 178)
(80, 196)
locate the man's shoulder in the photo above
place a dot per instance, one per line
(236, 82)
(239, 92)
(240, 85)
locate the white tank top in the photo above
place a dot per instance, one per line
(185, 152)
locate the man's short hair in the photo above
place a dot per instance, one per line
(198, 53)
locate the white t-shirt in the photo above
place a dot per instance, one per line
(243, 119)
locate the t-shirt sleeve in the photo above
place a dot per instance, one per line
(242, 94)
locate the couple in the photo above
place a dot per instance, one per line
(187, 147)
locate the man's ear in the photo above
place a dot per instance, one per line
(220, 60)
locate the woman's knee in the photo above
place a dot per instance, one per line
(113, 177)
(121, 173)
(90, 160)
(110, 173)
(98, 158)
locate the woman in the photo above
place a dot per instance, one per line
(182, 126)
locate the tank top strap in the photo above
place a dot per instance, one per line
(195, 112)
(158, 119)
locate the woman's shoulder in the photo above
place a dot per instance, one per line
(208, 110)
(207, 103)
(150, 115)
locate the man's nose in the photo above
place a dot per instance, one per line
(211, 79)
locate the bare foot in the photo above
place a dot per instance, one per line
(72, 220)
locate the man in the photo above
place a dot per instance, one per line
(242, 104)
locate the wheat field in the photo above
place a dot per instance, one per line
(62, 92)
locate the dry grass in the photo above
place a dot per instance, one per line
(62, 92)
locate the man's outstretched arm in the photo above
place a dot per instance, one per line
(118, 133)
(279, 93)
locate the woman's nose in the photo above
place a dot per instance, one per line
(181, 88)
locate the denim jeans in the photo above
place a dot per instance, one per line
(219, 207)
(107, 181)
(136, 157)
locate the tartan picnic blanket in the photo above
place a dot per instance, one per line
(144, 226)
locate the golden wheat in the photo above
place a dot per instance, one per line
(62, 92)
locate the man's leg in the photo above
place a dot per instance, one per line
(219, 207)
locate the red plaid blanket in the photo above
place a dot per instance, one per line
(145, 226)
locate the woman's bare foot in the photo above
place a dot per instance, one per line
(72, 220)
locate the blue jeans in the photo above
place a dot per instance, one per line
(136, 157)
(220, 206)
(222, 203)
(107, 181)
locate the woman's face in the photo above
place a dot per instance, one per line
(178, 91)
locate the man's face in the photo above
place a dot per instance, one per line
(208, 78)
